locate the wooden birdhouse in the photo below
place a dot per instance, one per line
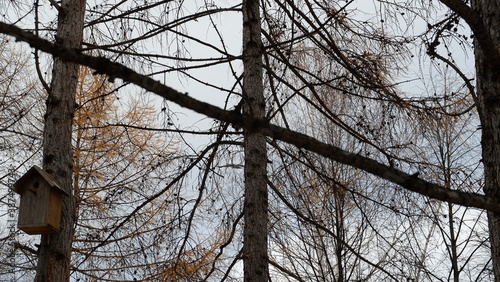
(41, 202)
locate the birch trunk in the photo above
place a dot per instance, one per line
(54, 258)
(488, 92)
(255, 257)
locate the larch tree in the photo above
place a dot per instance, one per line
(54, 254)
(119, 161)
(327, 82)
(125, 44)
(483, 18)
(255, 254)
(451, 156)
(362, 56)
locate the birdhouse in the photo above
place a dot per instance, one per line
(41, 202)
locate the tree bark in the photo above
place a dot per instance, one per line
(54, 259)
(488, 93)
(255, 257)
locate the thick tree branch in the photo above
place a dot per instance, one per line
(115, 70)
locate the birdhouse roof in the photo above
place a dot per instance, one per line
(35, 170)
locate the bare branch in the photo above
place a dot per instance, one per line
(54, 3)
(115, 70)
(478, 27)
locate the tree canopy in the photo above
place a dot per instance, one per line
(337, 141)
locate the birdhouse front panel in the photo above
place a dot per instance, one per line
(33, 212)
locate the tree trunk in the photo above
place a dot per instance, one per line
(453, 245)
(340, 228)
(255, 257)
(488, 93)
(54, 258)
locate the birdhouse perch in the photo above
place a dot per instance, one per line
(41, 202)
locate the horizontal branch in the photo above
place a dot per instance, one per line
(116, 70)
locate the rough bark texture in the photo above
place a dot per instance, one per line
(255, 257)
(488, 93)
(54, 259)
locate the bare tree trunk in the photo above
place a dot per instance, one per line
(451, 221)
(453, 245)
(490, 108)
(341, 230)
(255, 257)
(488, 93)
(54, 258)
